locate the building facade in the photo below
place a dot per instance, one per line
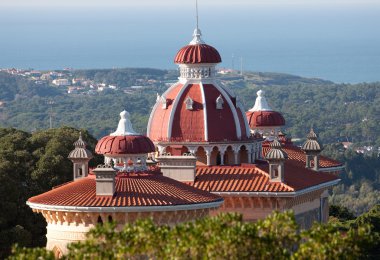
(206, 155)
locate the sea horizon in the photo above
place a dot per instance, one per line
(338, 44)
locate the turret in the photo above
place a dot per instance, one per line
(125, 148)
(80, 157)
(312, 149)
(276, 158)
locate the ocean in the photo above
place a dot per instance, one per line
(338, 44)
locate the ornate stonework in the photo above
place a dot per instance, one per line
(198, 72)
(66, 227)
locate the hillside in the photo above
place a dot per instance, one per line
(339, 112)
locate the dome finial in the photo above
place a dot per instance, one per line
(197, 32)
(125, 126)
(80, 143)
(261, 103)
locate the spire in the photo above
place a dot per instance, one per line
(196, 11)
(261, 103)
(197, 32)
(125, 126)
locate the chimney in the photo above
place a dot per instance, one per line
(105, 180)
(180, 168)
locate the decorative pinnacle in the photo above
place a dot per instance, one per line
(125, 126)
(197, 32)
(80, 143)
(312, 135)
(261, 103)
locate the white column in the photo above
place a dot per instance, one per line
(192, 149)
(161, 149)
(208, 154)
(125, 161)
(143, 162)
(222, 152)
(249, 151)
(236, 154)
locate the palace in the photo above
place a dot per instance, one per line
(203, 154)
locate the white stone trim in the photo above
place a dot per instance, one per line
(174, 108)
(280, 194)
(204, 110)
(155, 108)
(195, 206)
(247, 129)
(261, 103)
(233, 109)
(197, 71)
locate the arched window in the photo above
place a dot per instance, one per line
(218, 159)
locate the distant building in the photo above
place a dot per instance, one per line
(347, 145)
(61, 82)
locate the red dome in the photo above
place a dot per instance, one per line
(197, 53)
(204, 122)
(128, 144)
(265, 119)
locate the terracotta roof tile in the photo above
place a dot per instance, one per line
(297, 155)
(255, 178)
(131, 190)
(245, 178)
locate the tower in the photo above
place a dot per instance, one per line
(276, 158)
(312, 149)
(199, 116)
(80, 157)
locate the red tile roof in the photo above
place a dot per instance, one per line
(246, 178)
(144, 189)
(255, 178)
(297, 155)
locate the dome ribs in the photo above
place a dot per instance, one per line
(196, 54)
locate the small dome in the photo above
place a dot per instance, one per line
(276, 144)
(312, 144)
(261, 115)
(197, 52)
(264, 119)
(80, 151)
(128, 144)
(276, 152)
(124, 140)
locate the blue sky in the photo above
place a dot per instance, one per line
(130, 3)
